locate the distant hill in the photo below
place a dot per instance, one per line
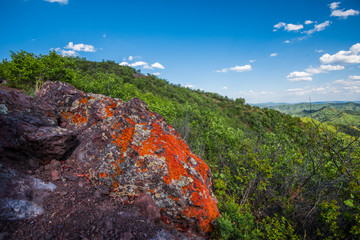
(344, 113)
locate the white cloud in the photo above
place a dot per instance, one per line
(354, 77)
(70, 53)
(288, 27)
(236, 69)
(157, 65)
(318, 27)
(341, 87)
(252, 60)
(273, 55)
(80, 47)
(342, 13)
(124, 64)
(299, 76)
(142, 64)
(58, 1)
(309, 72)
(224, 88)
(334, 5)
(104, 35)
(319, 50)
(138, 63)
(145, 65)
(287, 41)
(279, 25)
(293, 27)
(156, 74)
(307, 22)
(343, 57)
(189, 86)
(324, 69)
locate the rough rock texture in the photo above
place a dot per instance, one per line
(27, 134)
(21, 196)
(122, 147)
(127, 147)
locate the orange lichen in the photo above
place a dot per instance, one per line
(130, 121)
(174, 198)
(115, 184)
(176, 152)
(103, 174)
(108, 109)
(83, 100)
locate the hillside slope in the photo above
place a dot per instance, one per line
(275, 176)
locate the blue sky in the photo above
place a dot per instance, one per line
(260, 50)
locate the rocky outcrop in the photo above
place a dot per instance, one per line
(28, 134)
(121, 146)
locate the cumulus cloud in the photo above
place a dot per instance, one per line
(343, 57)
(73, 49)
(318, 27)
(334, 5)
(58, 1)
(189, 86)
(343, 86)
(273, 55)
(299, 76)
(67, 53)
(288, 27)
(236, 69)
(341, 13)
(309, 72)
(156, 74)
(287, 41)
(307, 22)
(354, 77)
(279, 25)
(143, 64)
(324, 69)
(80, 47)
(224, 88)
(124, 64)
(135, 64)
(157, 65)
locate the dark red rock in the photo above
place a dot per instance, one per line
(121, 146)
(148, 207)
(55, 175)
(128, 147)
(28, 133)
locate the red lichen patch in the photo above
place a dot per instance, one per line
(174, 198)
(103, 175)
(176, 152)
(125, 138)
(83, 100)
(79, 117)
(109, 109)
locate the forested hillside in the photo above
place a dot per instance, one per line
(344, 115)
(275, 176)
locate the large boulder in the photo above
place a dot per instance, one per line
(122, 146)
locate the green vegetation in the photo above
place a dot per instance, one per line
(275, 176)
(343, 115)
